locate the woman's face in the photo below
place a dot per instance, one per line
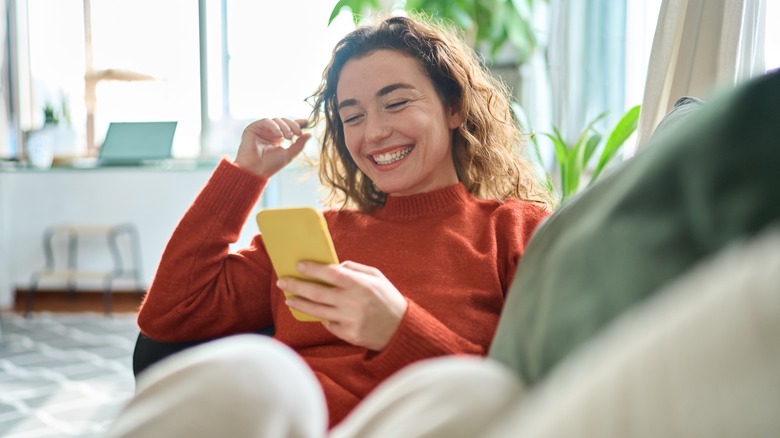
(397, 130)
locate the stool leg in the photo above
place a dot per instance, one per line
(119, 267)
(35, 279)
(30, 298)
(138, 271)
(107, 299)
(72, 255)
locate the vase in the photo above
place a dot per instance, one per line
(40, 148)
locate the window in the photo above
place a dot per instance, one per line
(262, 60)
(272, 60)
(139, 58)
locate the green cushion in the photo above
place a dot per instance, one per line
(699, 185)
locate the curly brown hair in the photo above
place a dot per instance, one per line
(486, 146)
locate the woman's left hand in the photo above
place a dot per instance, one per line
(361, 306)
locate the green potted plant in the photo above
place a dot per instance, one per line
(50, 116)
(577, 161)
(490, 25)
(56, 140)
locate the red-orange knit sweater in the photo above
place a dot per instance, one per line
(451, 255)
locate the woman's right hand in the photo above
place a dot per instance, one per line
(261, 150)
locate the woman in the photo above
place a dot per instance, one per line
(434, 211)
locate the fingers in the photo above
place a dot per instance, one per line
(290, 128)
(343, 275)
(262, 151)
(274, 130)
(327, 273)
(311, 298)
(307, 290)
(317, 299)
(297, 146)
(321, 311)
(357, 267)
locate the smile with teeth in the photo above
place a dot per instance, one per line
(391, 157)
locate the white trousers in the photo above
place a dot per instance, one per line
(700, 359)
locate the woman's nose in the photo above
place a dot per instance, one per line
(377, 129)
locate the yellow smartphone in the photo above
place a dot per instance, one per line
(292, 235)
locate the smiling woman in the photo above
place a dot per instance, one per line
(435, 209)
(485, 138)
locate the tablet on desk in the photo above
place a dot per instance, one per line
(136, 143)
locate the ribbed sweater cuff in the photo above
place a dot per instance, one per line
(408, 344)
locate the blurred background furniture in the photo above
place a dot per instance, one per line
(126, 259)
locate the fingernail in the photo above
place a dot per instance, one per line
(300, 267)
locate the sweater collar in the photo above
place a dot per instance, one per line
(424, 204)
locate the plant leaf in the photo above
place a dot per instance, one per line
(539, 165)
(577, 151)
(561, 150)
(620, 133)
(337, 10)
(520, 33)
(356, 7)
(590, 147)
(561, 154)
(573, 172)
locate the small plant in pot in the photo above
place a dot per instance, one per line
(575, 159)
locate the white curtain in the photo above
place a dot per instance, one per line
(586, 57)
(700, 47)
(578, 73)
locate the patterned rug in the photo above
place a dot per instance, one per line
(64, 375)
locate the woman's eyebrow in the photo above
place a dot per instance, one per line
(392, 87)
(346, 103)
(382, 91)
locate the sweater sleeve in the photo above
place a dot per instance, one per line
(202, 290)
(419, 336)
(520, 229)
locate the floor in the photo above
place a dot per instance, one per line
(64, 373)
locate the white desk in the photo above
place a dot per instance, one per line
(31, 200)
(154, 199)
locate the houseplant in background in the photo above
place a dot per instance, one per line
(41, 143)
(574, 159)
(491, 26)
(56, 141)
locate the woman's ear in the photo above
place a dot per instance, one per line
(455, 118)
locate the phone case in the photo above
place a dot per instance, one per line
(292, 235)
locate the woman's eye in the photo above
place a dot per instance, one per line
(351, 119)
(397, 104)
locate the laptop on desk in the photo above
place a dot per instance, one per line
(136, 143)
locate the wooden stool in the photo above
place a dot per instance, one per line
(71, 274)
